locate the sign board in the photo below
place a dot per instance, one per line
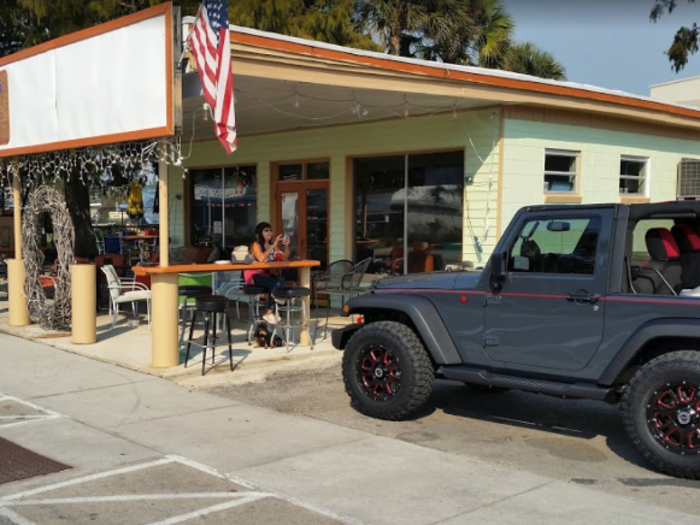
(107, 84)
(4, 109)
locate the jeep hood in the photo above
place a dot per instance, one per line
(435, 281)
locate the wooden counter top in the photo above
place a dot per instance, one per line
(194, 268)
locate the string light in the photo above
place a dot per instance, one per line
(93, 165)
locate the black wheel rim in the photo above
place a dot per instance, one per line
(673, 416)
(379, 373)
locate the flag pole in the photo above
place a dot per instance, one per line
(186, 43)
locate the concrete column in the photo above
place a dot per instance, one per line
(163, 214)
(164, 343)
(305, 280)
(17, 210)
(83, 304)
(19, 314)
(17, 304)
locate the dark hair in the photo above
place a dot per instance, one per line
(258, 235)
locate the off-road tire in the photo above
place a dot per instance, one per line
(416, 370)
(667, 372)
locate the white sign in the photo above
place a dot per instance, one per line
(203, 193)
(106, 84)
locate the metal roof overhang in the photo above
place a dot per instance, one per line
(284, 84)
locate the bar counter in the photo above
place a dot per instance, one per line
(164, 298)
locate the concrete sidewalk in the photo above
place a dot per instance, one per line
(106, 417)
(130, 347)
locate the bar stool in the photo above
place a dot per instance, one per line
(212, 306)
(253, 294)
(290, 300)
(190, 291)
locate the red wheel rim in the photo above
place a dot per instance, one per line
(673, 416)
(379, 373)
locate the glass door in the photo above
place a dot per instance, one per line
(302, 209)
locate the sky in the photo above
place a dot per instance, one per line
(607, 43)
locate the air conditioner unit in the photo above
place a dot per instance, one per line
(688, 186)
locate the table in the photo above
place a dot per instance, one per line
(135, 240)
(164, 298)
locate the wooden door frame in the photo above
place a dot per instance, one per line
(300, 186)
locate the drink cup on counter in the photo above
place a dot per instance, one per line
(278, 256)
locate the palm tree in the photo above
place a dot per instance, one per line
(528, 59)
(392, 22)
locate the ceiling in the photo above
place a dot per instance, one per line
(265, 105)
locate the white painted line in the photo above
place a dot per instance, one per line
(92, 477)
(32, 405)
(209, 510)
(198, 466)
(25, 416)
(16, 518)
(299, 503)
(135, 497)
(29, 421)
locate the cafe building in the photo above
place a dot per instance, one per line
(419, 165)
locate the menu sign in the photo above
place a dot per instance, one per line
(4, 109)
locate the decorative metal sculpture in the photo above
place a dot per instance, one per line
(48, 201)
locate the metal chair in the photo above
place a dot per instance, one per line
(290, 300)
(230, 285)
(334, 283)
(125, 290)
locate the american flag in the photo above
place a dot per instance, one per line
(211, 48)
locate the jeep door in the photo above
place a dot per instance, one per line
(549, 313)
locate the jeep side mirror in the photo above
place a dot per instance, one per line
(499, 264)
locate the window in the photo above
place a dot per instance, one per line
(560, 171)
(409, 211)
(556, 246)
(303, 171)
(223, 206)
(633, 174)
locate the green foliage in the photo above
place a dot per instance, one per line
(466, 32)
(527, 59)
(685, 41)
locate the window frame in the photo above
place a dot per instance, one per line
(576, 155)
(644, 178)
(304, 170)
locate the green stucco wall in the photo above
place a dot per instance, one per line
(523, 162)
(477, 132)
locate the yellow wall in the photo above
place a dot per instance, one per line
(477, 132)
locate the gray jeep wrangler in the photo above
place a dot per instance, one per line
(592, 301)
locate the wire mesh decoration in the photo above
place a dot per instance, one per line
(97, 165)
(47, 201)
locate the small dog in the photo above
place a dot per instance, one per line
(264, 339)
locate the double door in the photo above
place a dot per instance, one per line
(302, 212)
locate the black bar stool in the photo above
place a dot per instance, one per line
(253, 294)
(190, 291)
(290, 300)
(212, 306)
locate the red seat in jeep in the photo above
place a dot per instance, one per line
(661, 274)
(688, 241)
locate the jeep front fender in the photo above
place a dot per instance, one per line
(423, 315)
(671, 328)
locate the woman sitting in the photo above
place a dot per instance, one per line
(264, 249)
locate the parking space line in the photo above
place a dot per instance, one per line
(46, 414)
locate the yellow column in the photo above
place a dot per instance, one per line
(164, 340)
(84, 304)
(19, 314)
(17, 304)
(305, 280)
